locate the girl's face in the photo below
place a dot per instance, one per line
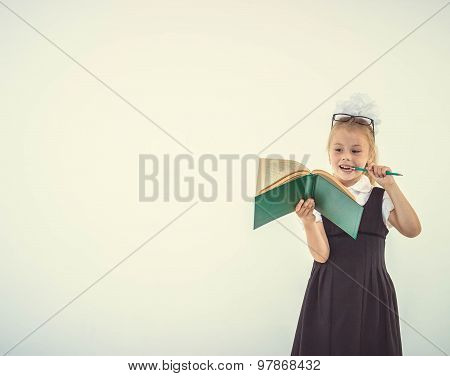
(348, 148)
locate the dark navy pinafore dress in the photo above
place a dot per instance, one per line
(350, 305)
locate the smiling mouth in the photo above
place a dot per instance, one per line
(346, 168)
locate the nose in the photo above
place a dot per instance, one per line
(345, 156)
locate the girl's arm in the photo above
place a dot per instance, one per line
(315, 233)
(317, 241)
(403, 217)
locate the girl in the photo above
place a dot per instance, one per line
(350, 305)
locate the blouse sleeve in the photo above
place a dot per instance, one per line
(387, 206)
(317, 215)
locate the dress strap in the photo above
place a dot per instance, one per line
(372, 221)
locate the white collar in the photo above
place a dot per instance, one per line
(362, 185)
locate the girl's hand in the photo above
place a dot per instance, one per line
(379, 174)
(304, 210)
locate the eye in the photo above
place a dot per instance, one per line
(338, 149)
(356, 151)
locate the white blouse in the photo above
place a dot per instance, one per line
(361, 190)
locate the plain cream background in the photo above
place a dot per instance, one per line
(222, 78)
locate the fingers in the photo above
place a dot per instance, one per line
(378, 171)
(305, 208)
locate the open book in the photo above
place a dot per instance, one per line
(282, 183)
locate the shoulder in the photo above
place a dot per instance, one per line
(387, 199)
(381, 192)
(386, 207)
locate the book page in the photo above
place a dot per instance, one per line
(274, 172)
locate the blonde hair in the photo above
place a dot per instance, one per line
(351, 125)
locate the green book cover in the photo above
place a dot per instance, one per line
(329, 200)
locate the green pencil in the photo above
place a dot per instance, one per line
(387, 172)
